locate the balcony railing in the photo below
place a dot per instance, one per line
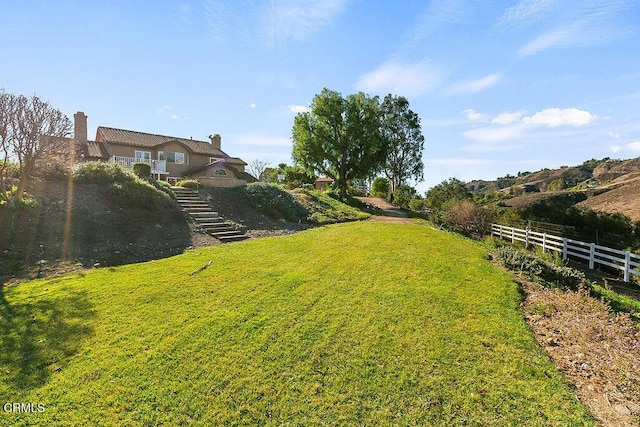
(157, 166)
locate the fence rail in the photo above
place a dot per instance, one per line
(627, 262)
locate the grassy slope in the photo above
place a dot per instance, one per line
(352, 324)
(327, 210)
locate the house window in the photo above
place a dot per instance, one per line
(172, 157)
(220, 172)
(142, 155)
(214, 159)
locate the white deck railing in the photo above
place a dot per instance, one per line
(157, 166)
(625, 261)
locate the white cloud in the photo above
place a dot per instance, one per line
(163, 109)
(475, 85)
(495, 134)
(252, 105)
(615, 148)
(568, 35)
(634, 146)
(554, 117)
(298, 19)
(260, 140)
(527, 11)
(295, 109)
(474, 116)
(615, 135)
(176, 117)
(506, 118)
(584, 24)
(403, 79)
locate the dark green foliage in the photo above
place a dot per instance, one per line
(163, 186)
(274, 202)
(447, 192)
(380, 187)
(416, 205)
(556, 275)
(269, 175)
(100, 173)
(402, 196)
(340, 137)
(142, 170)
(402, 134)
(137, 193)
(611, 229)
(296, 176)
(193, 184)
(120, 186)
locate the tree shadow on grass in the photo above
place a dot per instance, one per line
(39, 336)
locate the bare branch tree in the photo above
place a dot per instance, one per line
(257, 167)
(7, 105)
(38, 132)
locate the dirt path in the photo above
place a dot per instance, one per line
(384, 211)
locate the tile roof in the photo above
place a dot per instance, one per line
(230, 162)
(95, 150)
(149, 140)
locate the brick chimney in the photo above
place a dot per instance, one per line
(216, 141)
(80, 128)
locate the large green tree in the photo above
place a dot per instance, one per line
(340, 137)
(446, 193)
(402, 134)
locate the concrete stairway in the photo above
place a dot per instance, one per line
(205, 217)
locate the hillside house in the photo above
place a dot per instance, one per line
(171, 158)
(323, 183)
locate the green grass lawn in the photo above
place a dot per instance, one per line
(354, 324)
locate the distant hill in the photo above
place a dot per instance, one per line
(607, 185)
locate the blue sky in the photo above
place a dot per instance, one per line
(500, 86)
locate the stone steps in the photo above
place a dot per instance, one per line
(205, 217)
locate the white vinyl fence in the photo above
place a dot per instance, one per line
(625, 261)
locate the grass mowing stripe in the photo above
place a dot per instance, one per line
(352, 324)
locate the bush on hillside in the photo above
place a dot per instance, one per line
(121, 186)
(468, 217)
(193, 184)
(137, 193)
(555, 275)
(142, 170)
(163, 186)
(100, 173)
(274, 202)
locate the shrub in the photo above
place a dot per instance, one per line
(193, 184)
(120, 186)
(137, 193)
(558, 275)
(468, 217)
(447, 192)
(274, 202)
(403, 195)
(142, 170)
(416, 205)
(163, 186)
(52, 170)
(100, 173)
(380, 187)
